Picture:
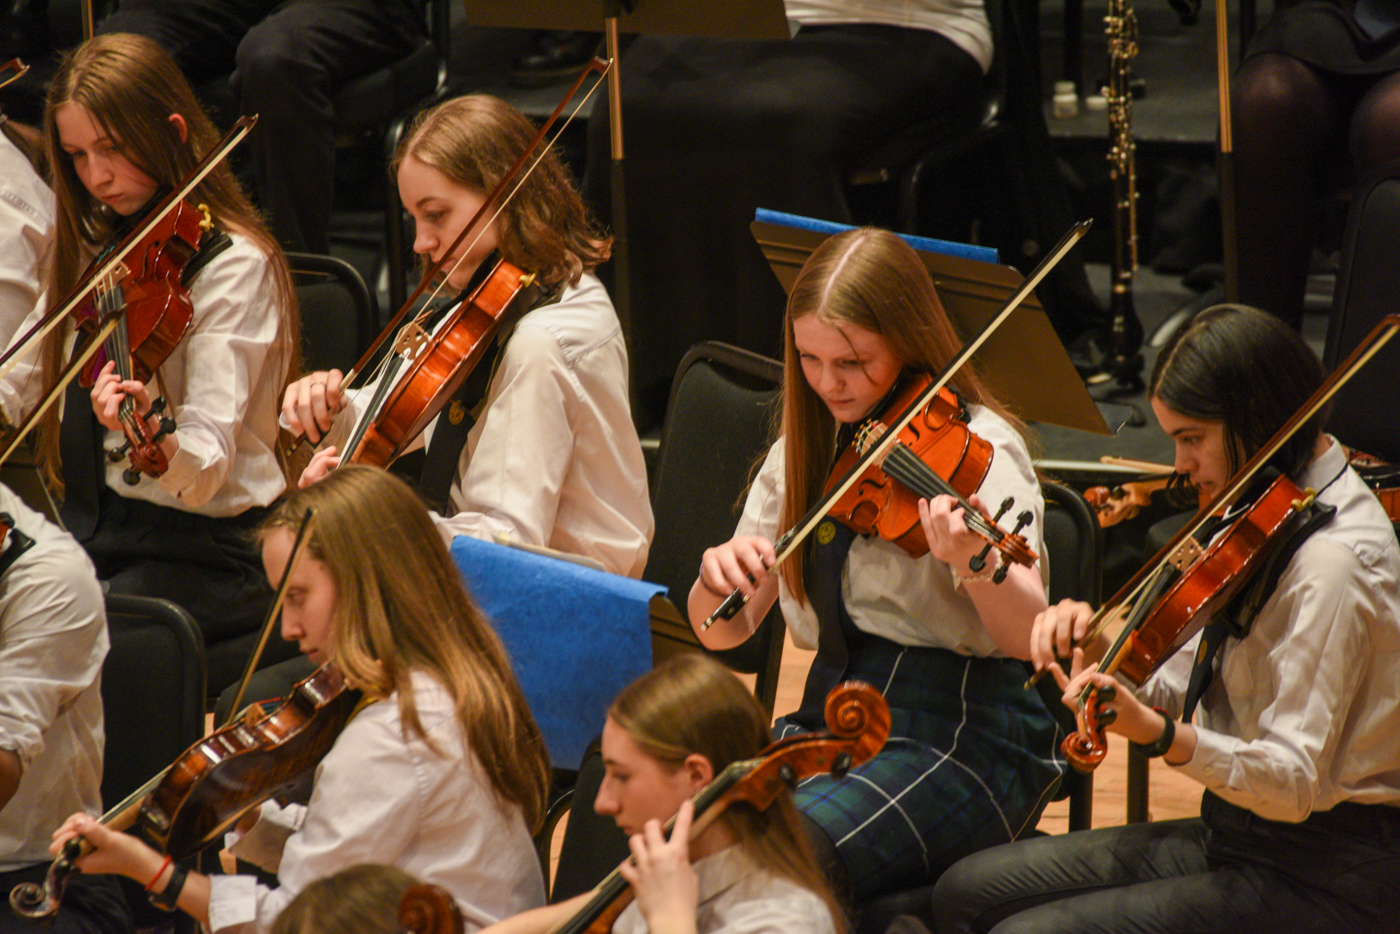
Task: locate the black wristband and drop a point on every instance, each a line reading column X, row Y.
column 1164, row 742
column 166, row 898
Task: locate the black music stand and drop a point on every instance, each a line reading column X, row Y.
column 731, row 19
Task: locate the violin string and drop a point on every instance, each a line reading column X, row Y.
column 906, row 467
column 524, row 176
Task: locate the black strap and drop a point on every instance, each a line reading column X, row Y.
column 1238, row 616
column 211, row 245
column 19, row 543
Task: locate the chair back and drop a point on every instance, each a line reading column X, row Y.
column 718, row 423
column 338, row 311
column 152, row 691
column 1367, row 283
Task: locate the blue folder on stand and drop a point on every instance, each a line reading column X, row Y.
column 576, row 636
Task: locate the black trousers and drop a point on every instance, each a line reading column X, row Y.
column 1228, row 871
column 288, row 59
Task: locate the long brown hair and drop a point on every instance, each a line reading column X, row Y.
column 362, row 899
column 872, row 279
column 401, row 606
column 130, row 86
column 692, row 704
column 29, row 142
column 544, row 228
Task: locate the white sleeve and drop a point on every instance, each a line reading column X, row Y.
column 232, row 340
column 525, row 444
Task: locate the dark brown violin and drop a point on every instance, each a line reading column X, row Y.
column 858, row 723
column 792, row 539
column 935, row 454
column 1205, row 564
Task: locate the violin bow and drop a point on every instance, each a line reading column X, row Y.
column 1184, row 542
column 55, row 316
column 109, row 325
column 20, row 69
column 302, row 537
column 494, row 200
column 1225, row 166
column 790, row 540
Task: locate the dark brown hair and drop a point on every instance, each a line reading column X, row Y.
column 1247, row 369
column 362, row 899
column 544, row 228
column 131, row 86
column 29, row 143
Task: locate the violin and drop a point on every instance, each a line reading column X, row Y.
column 792, row 539
column 440, row 365
column 154, row 312
column 429, row 909
column 442, row 362
column 936, row 444
column 1189, row 581
column 1123, row 501
column 858, row 723
column 256, row 757
column 1382, row 477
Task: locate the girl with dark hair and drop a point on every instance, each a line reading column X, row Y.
column 122, row 127
column 441, row 772
column 1295, row 737
column 539, row 445
column 970, row 760
column 667, row 736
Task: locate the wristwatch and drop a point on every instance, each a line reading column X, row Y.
column 165, row 899
column 1163, row 742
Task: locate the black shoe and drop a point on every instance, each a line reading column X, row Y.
column 554, row 55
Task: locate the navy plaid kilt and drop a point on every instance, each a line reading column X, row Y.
column 973, row 758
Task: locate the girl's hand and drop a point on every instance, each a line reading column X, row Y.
column 1119, row 709
column 660, row 873
column 311, row 404
column 113, row 852
column 108, row 392
column 728, row 567
column 949, row 538
column 322, row 463
column 1059, row 632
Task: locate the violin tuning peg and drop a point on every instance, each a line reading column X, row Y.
column 979, row 560
column 1004, row 508
column 1108, row 693
column 1023, row 520
column 999, row 574
column 788, row 775
column 116, row 454
column 841, row 766
column 131, row 476
column 1107, row 717
column 167, row 426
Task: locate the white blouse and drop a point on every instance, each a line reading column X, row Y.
column 26, row 236
column 223, row 385
column 911, row 601
column 962, row 21
column 383, row 796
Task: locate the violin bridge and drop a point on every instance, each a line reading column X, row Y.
column 411, row 340
column 1186, row 554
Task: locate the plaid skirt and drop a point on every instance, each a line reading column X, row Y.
column 973, row 758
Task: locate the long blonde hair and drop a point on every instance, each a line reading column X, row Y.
column 402, row 607
column 131, row 86
column 544, row 228
column 692, row 704
column 872, row 279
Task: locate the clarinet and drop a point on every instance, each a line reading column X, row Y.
column 1124, row 359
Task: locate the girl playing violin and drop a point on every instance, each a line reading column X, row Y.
column 668, row 735
column 969, row 761
column 1294, row 739
column 442, row 773
column 123, row 127
column 546, row 452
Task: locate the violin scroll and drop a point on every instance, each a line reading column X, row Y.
column 1086, row 748
column 429, row 909
column 38, row 902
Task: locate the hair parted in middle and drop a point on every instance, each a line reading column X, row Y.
column 544, row 228
column 401, row 606
column 871, row 279
column 691, row 704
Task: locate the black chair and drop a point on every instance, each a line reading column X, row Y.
column 1074, row 550
column 717, row 427
column 592, row 845
column 1367, row 283
column 153, row 709
column 338, row 311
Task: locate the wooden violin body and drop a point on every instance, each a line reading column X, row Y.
column 1206, row 580
column 939, row 437
column 440, row 367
